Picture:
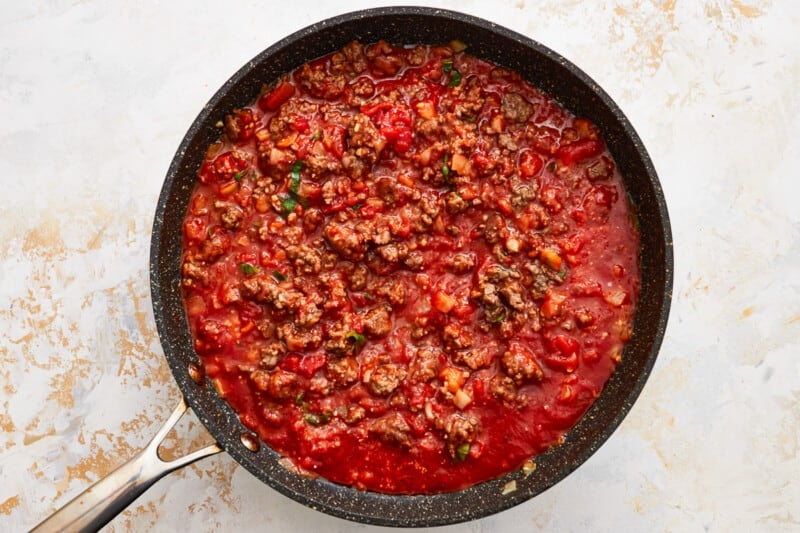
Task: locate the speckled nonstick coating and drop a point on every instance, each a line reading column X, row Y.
column 546, row 70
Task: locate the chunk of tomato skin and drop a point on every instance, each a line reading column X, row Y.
column 273, row 100
column 195, row 230
column 530, row 164
column 309, row 364
column 333, row 139
column 291, row 363
column 565, row 344
column 579, row 151
column 567, row 363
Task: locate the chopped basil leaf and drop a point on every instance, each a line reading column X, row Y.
column 288, row 205
column 462, row 451
column 552, row 166
column 316, row 419
column 358, row 339
column 317, row 135
column 298, row 400
column 279, row 276
column 239, row 175
column 296, row 168
column 445, row 170
column 368, row 296
column 357, row 206
column 447, row 65
column 248, row 269
column 455, row 78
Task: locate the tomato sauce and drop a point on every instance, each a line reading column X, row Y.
column 407, row 269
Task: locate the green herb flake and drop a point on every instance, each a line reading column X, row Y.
column 279, row 276
column 357, row 206
column 295, row 175
column 446, row 167
column 368, row 296
column 248, row 269
column 455, row 78
column 358, row 339
column 499, row 318
column 447, row 65
column 298, row 400
column 317, row 136
column 552, row 166
column 287, row 206
column 238, row 176
column 462, row 452
column 315, row 419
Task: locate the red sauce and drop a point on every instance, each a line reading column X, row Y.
column 407, row 269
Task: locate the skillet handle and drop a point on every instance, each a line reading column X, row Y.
column 97, row 505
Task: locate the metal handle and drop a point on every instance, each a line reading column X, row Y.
column 97, row 505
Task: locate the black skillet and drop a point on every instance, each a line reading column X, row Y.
column 401, row 25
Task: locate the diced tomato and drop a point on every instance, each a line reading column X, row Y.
column 223, row 168
column 565, row 344
column 240, row 125
column 311, row 363
column 274, row 99
column 195, row 230
column 580, row 150
column 333, row 140
column 529, row 164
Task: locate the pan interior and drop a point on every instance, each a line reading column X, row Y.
column 544, row 69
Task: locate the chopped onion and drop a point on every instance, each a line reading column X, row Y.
column 461, row 399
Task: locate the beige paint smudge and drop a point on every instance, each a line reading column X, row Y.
column 9, row 505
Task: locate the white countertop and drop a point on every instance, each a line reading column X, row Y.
column 94, row 99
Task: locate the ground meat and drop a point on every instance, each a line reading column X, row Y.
column 264, row 289
column 512, row 293
column 231, row 214
column 351, row 60
column 498, row 286
column 462, row 262
column 343, row 371
column 602, row 169
column 339, row 338
column 515, row 108
column 393, row 252
column 302, row 339
column 345, row 240
column 271, row 353
column 377, row 322
column 358, row 277
column 424, row 366
column 214, row 247
column 415, row 261
column 494, row 229
column 306, row 259
column 385, row 379
column 395, row 291
column 507, row 141
column 355, row 413
column 320, row 83
column 455, row 337
column 478, row 357
column 502, row 387
column 392, row 428
column 193, row 272
column 365, row 140
column 277, row 383
column 382, row 59
column 520, row 364
column 459, row 430
column 309, row 312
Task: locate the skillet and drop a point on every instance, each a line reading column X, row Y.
column 402, row 25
